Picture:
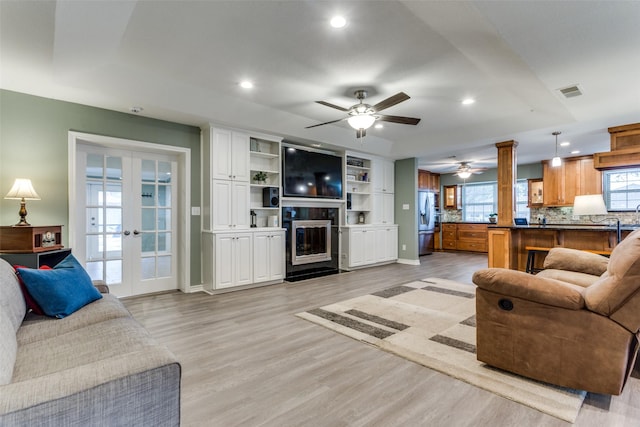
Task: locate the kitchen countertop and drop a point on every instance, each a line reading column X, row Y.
column 582, row 227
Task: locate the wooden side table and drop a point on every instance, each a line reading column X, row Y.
column 37, row 259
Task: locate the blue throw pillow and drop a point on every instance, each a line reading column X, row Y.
column 61, row 291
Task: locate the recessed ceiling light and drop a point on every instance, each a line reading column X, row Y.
column 565, row 144
column 468, row 101
column 246, row 84
column 379, row 126
column 338, row 21
column 575, row 151
column 136, row 110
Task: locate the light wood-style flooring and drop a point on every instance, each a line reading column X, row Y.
column 248, row 361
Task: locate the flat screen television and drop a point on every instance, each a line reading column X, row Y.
column 311, row 174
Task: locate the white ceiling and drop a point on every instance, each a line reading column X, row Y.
column 182, row 61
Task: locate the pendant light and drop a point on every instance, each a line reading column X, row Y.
column 556, row 161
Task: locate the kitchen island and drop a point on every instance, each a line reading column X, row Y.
column 507, row 246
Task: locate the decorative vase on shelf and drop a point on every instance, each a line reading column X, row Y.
column 493, row 218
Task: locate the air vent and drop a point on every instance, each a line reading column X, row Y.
column 571, row 91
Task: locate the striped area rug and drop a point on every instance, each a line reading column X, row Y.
column 432, row 322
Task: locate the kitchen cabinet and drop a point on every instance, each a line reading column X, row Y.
column 464, row 237
column 450, row 196
column 230, row 209
column 428, row 180
column 576, row 176
column 268, row 256
column 535, row 193
column 233, row 260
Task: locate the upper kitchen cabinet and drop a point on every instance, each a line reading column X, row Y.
column 575, row 177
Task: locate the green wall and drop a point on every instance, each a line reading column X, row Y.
column 406, row 193
column 33, row 144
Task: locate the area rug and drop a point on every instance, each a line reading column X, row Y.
column 432, row 322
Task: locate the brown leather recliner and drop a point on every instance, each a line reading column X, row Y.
column 575, row 324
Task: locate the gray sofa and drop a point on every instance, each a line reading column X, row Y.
column 97, row 366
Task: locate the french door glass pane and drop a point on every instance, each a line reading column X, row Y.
column 148, row 267
column 148, row 243
column 114, row 168
column 164, row 266
column 148, row 171
column 95, row 168
column 148, row 219
column 148, row 195
column 164, row 172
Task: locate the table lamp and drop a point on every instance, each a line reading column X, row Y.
column 593, row 204
column 22, row 190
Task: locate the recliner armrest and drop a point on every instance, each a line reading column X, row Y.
column 576, row 260
column 519, row 284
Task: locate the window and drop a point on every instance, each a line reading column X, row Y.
column 622, row 189
column 522, row 199
column 481, row 199
column 478, row 201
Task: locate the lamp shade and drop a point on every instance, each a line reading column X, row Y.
column 22, row 189
column 592, row 204
column 361, row 121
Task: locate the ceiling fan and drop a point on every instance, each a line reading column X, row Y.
column 361, row 116
column 465, row 170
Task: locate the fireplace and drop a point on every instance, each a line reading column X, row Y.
column 311, row 241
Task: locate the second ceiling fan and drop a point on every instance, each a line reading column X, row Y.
column 361, row 116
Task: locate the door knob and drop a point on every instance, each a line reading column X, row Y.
column 136, row 232
column 126, row 232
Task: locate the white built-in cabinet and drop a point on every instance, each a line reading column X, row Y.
column 383, row 175
column 233, row 260
column 268, row 256
column 233, row 252
column 367, row 245
column 231, row 207
column 370, row 183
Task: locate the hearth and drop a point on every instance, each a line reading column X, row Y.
column 311, row 241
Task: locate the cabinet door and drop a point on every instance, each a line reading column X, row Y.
column 388, row 208
column 221, row 206
column 221, row 147
column 590, row 178
column 224, row 258
column 276, row 252
column 243, row 259
column 370, row 249
column 261, row 254
column 240, row 205
column 240, row 157
column 571, row 181
column 356, row 247
column 551, row 183
column 389, row 176
column 386, row 244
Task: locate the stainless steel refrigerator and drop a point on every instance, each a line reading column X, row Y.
column 426, row 221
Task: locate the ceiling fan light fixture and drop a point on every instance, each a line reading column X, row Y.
column 361, row 121
column 464, row 174
column 338, row 21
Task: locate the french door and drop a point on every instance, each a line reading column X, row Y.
column 126, row 209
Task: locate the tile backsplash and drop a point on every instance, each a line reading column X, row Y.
column 558, row 216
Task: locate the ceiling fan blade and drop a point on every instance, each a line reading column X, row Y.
column 328, row 104
column 391, row 101
column 361, row 133
column 325, row 123
column 399, row 119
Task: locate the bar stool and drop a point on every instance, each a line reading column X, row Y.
column 531, row 258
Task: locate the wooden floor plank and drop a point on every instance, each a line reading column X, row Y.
column 248, row 361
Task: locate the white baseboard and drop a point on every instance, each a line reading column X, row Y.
column 408, row 261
